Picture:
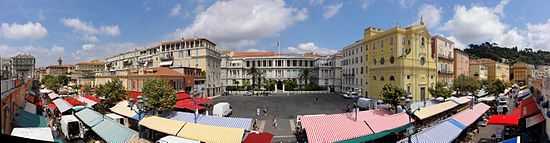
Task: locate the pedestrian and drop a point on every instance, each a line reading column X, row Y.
column 257, row 111
column 275, row 122
column 316, row 99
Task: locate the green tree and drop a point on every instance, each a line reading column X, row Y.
column 290, row 85
column 465, row 84
column 51, row 82
column 87, row 89
column 496, row 87
column 392, row 94
column 270, row 84
column 113, row 92
column 305, row 76
column 246, row 84
column 63, row 79
column 257, row 77
column 440, row 90
column 160, row 95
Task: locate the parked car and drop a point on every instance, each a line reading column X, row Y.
column 248, row 93
column 222, row 109
column 71, row 127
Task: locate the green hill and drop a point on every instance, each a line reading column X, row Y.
column 508, row 55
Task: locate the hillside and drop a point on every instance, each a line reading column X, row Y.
column 513, row 55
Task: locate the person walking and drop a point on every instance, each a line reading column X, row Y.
column 275, row 122
column 257, row 111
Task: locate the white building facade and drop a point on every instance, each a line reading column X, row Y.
column 328, row 72
column 236, row 65
column 193, row 53
column 354, row 68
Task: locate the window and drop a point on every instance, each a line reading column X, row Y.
column 361, row 70
column 408, row 76
column 382, row 78
column 382, row 61
column 392, row 78
column 422, row 61
column 374, row 77
column 294, row 62
column 392, row 60
column 374, row 61
column 422, row 42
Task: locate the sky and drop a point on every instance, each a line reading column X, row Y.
column 94, row 29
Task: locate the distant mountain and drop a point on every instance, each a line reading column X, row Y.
column 508, row 55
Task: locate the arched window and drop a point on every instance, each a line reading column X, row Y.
column 374, row 77
column 374, row 61
column 392, row 60
column 422, row 42
column 382, row 78
column 381, row 61
column 422, row 61
column 392, row 78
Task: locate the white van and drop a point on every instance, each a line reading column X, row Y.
column 222, row 109
column 71, row 127
column 365, row 103
column 121, row 120
column 174, row 139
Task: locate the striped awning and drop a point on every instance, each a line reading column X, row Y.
column 333, row 128
column 113, row 132
column 462, row 100
column 89, row 117
column 229, row 122
column 62, row 105
column 167, row 126
column 445, row 132
column 89, row 103
column 39, row 133
column 53, row 95
column 469, row 116
column 122, row 108
column 435, row 109
column 211, row 134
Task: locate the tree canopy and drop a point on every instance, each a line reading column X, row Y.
column 495, row 52
column 496, row 87
column 465, row 84
column 392, row 94
column 440, row 90
column 113, row 92
column 160, row 96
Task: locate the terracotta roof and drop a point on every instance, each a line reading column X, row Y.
column 252, row 54
column 162, row 71
column 60, row 66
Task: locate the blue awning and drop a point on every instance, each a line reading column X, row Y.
column 512, row 140
column 108, row 129
column 113, row 132
column 445, row 132
column 89, row 117
column 26, row 119
column 229, row 122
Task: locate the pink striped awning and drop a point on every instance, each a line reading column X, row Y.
column 469, row 116
column 383, row 123
column 332, row 128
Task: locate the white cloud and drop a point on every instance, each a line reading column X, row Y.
column 365, row 3
column 474, row 25
column 332, row 10
column 100, row 51
column 176, row 10
column 311, row 47
column 316, row 2
column 242, row 22
column 430, row 14
column 29, row 30
column 499, row 9
column 89, row 32
column 538, row 35
column 112, row 30
column 255, row 50
column 44, row 56
column 483, row 24
column 458, row 44
column 406, row 3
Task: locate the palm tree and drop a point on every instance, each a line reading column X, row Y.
column 305, row 75
column 257, row 76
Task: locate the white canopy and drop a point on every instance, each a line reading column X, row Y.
column 29, row 107
column 43, row 134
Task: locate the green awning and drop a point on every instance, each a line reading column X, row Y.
column 26, row 119
column 375, row 136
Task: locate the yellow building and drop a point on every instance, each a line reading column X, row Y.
column 522, row 73
column 495, row 70
column 401, row 57
column 478, row 72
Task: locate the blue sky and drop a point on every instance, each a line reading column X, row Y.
column 93, row 29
